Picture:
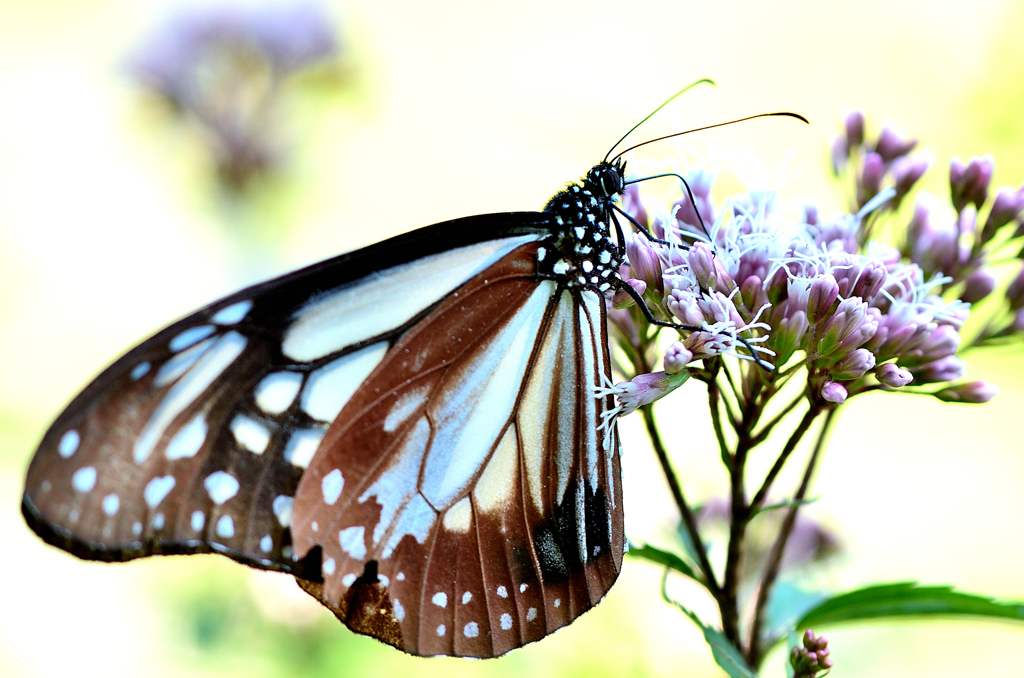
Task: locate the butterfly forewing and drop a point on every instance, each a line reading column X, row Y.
column 196, row 439
column 462, row 499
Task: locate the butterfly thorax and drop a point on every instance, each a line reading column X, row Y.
column 587, row 255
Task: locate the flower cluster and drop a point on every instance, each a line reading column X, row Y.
column 856, row 313
column 809, row 659
column 222, row 66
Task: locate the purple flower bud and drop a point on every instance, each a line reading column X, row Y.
column 906, row 172
column 644, row 262
column 854, row 366
column 942, row 342
column 834, row 393
column 622, row 299
column 811, row 216
column 892, row 145
column 870, row 180
column 787, row 335
column 821, row 297
column 849, row 327
column 969, row 183
column 854, row 125
column 1005, row 208
column 978, row 285
column 644, row 389
column 893, row 376
column 870, row 281
column 683, row 305
column 1015, row 291
column 970, row 392
column 702, row 263
column 676, row 358
column 840, row 155
column 949, row 368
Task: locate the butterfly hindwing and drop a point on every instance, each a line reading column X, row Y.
column 196, row 439
column 463, row 500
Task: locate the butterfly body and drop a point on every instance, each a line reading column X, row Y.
column 411, row 429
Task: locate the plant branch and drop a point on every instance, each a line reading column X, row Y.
column 774, row 562
column 809, row 416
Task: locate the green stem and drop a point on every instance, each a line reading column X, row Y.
column 774, row 562
column 812, row 413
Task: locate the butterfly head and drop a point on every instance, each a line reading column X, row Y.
column 607, row 179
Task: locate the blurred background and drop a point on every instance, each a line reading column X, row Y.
column 137, row 185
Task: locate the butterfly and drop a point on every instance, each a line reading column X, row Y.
column 417, row 431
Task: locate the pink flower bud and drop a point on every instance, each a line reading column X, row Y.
column 840, row 155
column 811, row 216
column 644, row 263
column 645, row 389
column 849, row 327
column 892, row 145
column 950, row 368
column 906, row 172
column 943, row 342
column 971, row 392
column 676, row 358
column 969, row 183
column 854, row 366
column 834, row 393
column 854, row 125
column 822, row 295
column 787, row 336
column 978, row 285
column 622, row 299
column 870, row 180
column 683, row 305
column 893, row 376
column 702, row 263
column 1005, row 208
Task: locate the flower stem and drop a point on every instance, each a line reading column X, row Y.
column 774, row 562
column 689, row 520
column 809, row 416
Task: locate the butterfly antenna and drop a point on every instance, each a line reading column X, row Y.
column 672, row 98
column 778, row 114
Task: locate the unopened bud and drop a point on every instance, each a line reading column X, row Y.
column 893, row 376
column 971, row 392
column 854, row 125
column 821, row 297
column 892, row 145
column 834, row 393
column 623, row 299
column 854, row 366
column 978, row 285
column 676, row 358
column 702, row 263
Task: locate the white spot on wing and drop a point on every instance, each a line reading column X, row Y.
column 158, row 521
column 136, row 528
column 84, row 479
column 440, row 599
column 386, row 299
column 506, row 621
column 405, row 406
column 331, row 486
column 140, row 370
column 157, row 489
column 276, row 392
column 250, row 434
column 466, row 597
column 353, row 542
column 190, row 337
column 225, row 527
column 441, row 630
column 230, row 315
column 187, row 442
column 531, row 614
column 471, row 630
column 302, row 446
column 110, row 504
column 190, row 387
column 199, row 520
column 330, row 387
column 266, row 543
column 221, row 486
column 348, row 579
column 523, row 587
column 502, row 592
column 399, row 610
column 283, row 509
column 328, row 566
column 68, row 444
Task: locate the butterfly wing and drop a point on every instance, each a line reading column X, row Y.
column 196, row 439
column 463, row 499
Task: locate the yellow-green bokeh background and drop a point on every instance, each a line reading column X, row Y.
column 109, row 229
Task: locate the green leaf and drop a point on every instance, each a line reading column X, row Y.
column 726, row 656
column 666, row 558
column 906, row 599
column 786, row 605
